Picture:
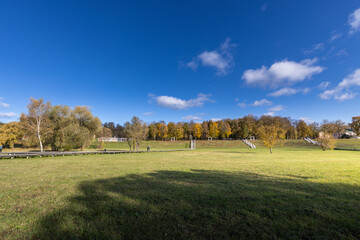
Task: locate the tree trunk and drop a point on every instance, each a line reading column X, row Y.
column 39, row 137
column 137, row 146
column 270, row 150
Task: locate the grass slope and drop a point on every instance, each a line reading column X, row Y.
column 299, row 192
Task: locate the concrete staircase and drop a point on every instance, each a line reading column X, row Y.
column 251, row 145
column 308, row 140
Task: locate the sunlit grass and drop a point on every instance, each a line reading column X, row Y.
column 222, row 192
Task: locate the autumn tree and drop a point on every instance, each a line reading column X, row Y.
column 88, row 125
column 327, row 141
column 112, row 127
column 224, row 129
column 191, row 128
column 340, row 126
column 105, row 132
column 60, row 119
column 136, row 130
column 269, row 136
column 171, row 129
column 355, row 125
column 314, row 129
column 205, row 129
column 242, row 130
column 162, row 130
column 152, row 131
column 10, row 133
column 302, row 129
column 119, row 131
column 213, row 129
column 186, row 130
column 328, row 127
column 36, row 122
column 198, row 130
column 179, row 131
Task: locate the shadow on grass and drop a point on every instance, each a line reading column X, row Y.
column 205, row 205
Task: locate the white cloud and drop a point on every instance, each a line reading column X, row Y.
column 342, row 91
column 242, row 105
column 178, row 103
column 262, row 102
column 314, row 48
column 307, row 120
column 284, row 92
column 335, row 35
column 193, row 65
column 324, row 85
column 283, row 73
column 221, row 59
column 354, row 21
column 305, row 90
column 191, row 118
column 345, row 96
column 277, row 108
column 8, row 115
column 2, row 104
column 271, row 114
column 288, row 92
column 216, row 119
column 147, row 113
column 342, row 52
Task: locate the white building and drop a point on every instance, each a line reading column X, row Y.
column 111, row 139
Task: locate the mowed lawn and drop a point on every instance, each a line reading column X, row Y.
column 215, row 192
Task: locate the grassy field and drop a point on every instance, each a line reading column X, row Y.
column 157, row 145
column 168, row 145
column 222, row 190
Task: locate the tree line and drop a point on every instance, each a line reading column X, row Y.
column 240, row 128
column 63, row 128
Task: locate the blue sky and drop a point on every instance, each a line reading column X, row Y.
column 182, row 60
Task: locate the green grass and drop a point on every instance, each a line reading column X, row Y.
column 348, row 143
column 215, row 192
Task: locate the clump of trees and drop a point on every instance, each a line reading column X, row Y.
column 60, row 127
column 72, row 128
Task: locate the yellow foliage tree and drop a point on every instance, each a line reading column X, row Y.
column 162, row 130
column 198, row 130
column 225, row 129
column 179, row 131
column 327, row 141
column 268, row 135
column 9, row 133
column 171, row 129
column 214, row 130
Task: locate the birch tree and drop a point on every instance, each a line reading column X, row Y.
column 36, row 122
